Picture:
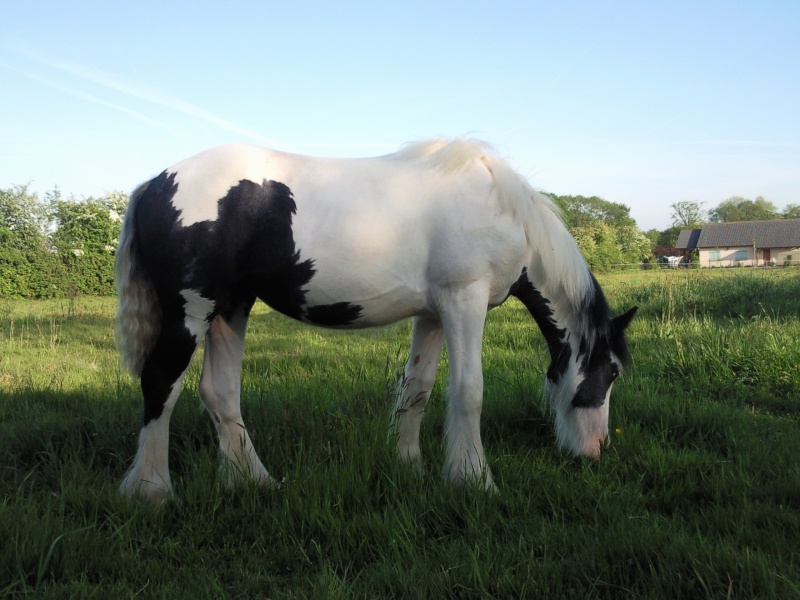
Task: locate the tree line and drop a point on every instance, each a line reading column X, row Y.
column 605, row 232
column 56, row 247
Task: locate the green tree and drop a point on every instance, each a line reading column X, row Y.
column 688, row 214
column 634, row 245
column 580, row 211
column 86, row 237
column 742, row 209
column 604, row 231
column 28, row 268
column 669, row 237
column 21, row 213
column 653, row 235
column 599, row 245
column 792, row 211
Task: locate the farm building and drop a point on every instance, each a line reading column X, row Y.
column 746, row 243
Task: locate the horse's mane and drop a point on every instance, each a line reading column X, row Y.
column 561, row 260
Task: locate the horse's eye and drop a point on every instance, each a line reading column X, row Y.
column 614, row 375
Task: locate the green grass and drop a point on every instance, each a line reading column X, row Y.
column 698, row 496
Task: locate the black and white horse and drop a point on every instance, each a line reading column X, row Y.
column 440, row 231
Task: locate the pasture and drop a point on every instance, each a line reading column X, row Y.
column 697, row 496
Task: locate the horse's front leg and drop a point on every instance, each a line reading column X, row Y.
column 463, row 313
column 427, row 339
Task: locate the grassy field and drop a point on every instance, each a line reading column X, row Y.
column 697, row 497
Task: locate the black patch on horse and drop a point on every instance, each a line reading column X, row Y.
column 592, row 390
column 166, row 362
column 539, row 308
column 607, row 335
column 599, row 373
column 332, row 315
column 247, row 252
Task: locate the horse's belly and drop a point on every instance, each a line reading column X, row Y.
column 382, row 296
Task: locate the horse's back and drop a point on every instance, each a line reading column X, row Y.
column 387, row 185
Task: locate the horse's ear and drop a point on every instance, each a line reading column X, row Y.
column 621, row 322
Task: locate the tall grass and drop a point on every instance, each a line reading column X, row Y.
column 698, row 495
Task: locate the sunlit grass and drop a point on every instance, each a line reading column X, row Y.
column 698, row 494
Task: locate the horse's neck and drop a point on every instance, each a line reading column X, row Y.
column 556, row 301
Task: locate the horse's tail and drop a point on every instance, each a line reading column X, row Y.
column 138, row 309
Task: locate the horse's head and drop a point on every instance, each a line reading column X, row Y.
column 580, row 378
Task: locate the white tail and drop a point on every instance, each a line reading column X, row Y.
column 138, row 309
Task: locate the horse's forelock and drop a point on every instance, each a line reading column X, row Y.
column 594, row 326
column 600, row 331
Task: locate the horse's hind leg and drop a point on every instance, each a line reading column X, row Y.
column 427, row 339
column 161, row 381
column 220, row 389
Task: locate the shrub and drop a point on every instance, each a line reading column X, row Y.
column 57, row 247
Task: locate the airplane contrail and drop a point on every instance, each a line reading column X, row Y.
column 135, row 90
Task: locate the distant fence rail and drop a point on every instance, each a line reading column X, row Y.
column 647, row 266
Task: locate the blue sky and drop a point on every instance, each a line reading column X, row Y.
column 643, row 103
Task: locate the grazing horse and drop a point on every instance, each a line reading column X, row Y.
column 441, row 231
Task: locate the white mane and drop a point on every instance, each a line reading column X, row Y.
column 561, row 260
